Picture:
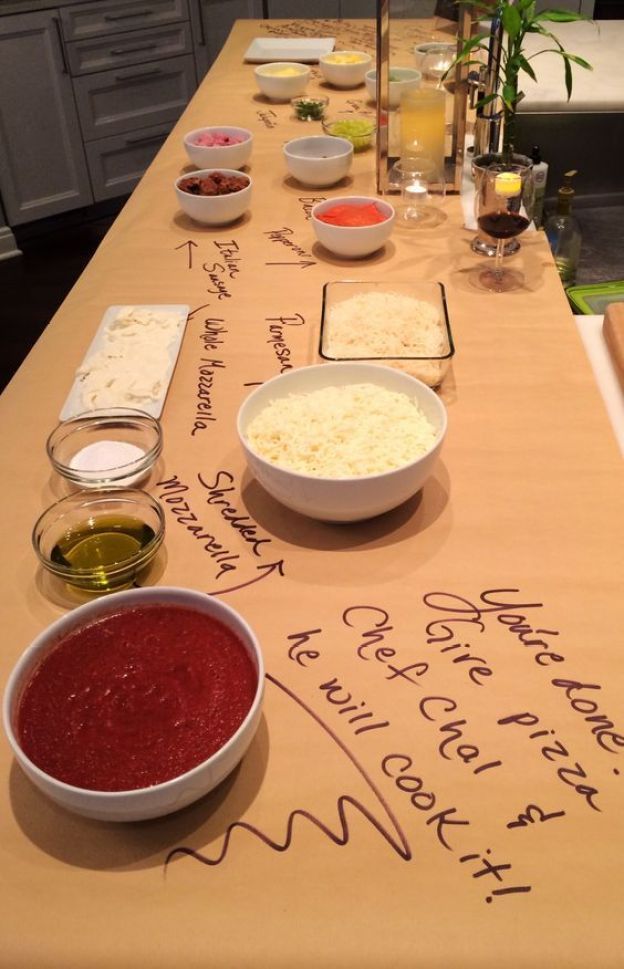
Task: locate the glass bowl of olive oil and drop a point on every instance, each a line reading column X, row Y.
column 100, row 540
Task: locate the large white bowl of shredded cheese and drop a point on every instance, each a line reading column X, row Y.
column 342, row 442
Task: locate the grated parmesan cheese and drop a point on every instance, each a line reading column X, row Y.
column 341, row 432
column 388, row 324
column 133, row 360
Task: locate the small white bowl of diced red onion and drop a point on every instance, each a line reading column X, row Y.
column 219, row 146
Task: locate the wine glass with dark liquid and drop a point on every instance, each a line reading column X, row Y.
column 503, row 211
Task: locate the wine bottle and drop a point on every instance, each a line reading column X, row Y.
column 564, row 233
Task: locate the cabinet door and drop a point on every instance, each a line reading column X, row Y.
column 354, row 9
column 133, row 47
column 117, row 164
column 212, row 21
column 43, row 169
column 300, row 9
column 114, row 16
column 124, row 101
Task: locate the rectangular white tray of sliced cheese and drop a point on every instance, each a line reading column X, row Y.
column 130, row 361
column 263, row 50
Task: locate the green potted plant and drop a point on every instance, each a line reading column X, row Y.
column 517, row 19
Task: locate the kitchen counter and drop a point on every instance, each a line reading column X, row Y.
column 479, row 820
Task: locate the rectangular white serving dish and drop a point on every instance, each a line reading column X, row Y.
column 73, row 404
column 263, row 50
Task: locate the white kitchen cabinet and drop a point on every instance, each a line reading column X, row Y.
column 88, row 93
column 212, row 21
column 43, row 169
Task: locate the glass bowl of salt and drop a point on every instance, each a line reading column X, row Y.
column 105, row 448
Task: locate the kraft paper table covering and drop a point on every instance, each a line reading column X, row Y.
column 406, row 843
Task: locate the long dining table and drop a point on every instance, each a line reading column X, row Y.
column 475, row 816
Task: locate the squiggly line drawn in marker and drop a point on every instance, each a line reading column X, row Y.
column 395, row 838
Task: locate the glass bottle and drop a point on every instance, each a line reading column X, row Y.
column 540, row 174
column 564, row 233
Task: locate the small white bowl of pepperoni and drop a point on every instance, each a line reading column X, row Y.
column 353, row 226
column 135, row 705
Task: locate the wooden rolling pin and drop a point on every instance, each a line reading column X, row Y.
column 613, row 330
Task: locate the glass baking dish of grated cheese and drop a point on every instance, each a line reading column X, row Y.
column 399, row 324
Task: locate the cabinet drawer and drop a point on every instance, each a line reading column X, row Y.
column 119, row 101
column 117, row 164
column 115, row 16
column 134, row 47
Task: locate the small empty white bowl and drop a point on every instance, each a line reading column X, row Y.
column 219, row 156
column 214, row 209
column 345, row 68
column 318, row 160
column 345, row 499
column 353, row 242
column 401, row 79
column 282, row 80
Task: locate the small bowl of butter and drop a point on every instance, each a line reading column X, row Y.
column 345, row 68
column 282, row 80
column 115, row 447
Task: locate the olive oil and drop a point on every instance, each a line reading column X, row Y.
column 97, row 549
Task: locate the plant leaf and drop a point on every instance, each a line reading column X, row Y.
column 568, row 76
column 577, row 60
column 512, row 21
column 560, row 16
column 526, row 67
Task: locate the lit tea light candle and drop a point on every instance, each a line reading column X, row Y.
column 508, row 184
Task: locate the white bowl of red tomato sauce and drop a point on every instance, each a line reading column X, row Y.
column 135, row 705
column 353, row 225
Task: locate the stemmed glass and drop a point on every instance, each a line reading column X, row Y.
column 503, row 207
column 435, row 63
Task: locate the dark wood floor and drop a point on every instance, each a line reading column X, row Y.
column 34, row 284
column 55, row 253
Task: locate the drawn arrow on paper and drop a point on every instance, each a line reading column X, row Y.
column 190, row 243
column 264, row 571
column 302, row 262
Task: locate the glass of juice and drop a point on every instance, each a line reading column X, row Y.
column 423, row 125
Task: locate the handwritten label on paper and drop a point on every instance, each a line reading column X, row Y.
column 308, row 202
column 464, row 737
column 230, row 529
column 277, row 328
column 219, row 273
column 268, row 118
column 285, row 237
column 209, row 368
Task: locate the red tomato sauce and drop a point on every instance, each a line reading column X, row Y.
column 135, row 698
column 348, row 214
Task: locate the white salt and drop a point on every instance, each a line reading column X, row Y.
column 108, row 456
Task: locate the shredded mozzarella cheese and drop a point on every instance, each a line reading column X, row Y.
column 339, row 432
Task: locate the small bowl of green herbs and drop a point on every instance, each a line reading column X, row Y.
column 310, row 108
column 359, row 130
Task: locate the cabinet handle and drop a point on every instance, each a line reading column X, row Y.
column 126, row 16
column 61, row 45
column 202, row 32
column 120, row 51
column 138, row 74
